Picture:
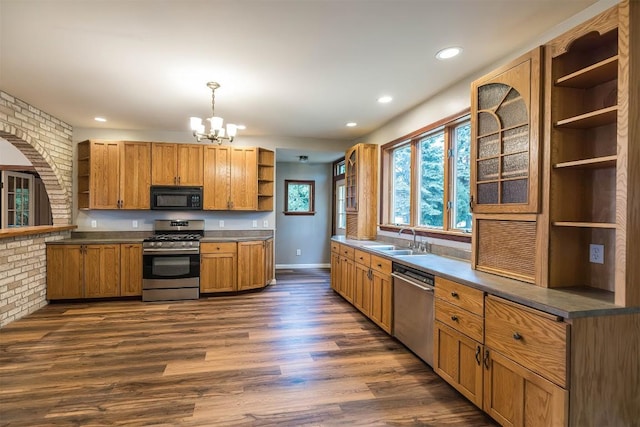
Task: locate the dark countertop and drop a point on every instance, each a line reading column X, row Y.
column 115, row 237
column 567, row 302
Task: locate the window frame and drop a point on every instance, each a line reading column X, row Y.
column 448, row 231
column 4, row 202
column 312, row 196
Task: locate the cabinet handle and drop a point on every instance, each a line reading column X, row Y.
column 486, row 359
column 380, row 265
column 454, row 318
column 454, row 294
column 517, row 336
column 478, row 355
column 471, row 203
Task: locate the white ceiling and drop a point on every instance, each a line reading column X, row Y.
column 300, row 68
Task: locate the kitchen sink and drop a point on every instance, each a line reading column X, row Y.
column 390, row 249
column 399, row 252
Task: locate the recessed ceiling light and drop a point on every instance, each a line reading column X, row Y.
column 385, row 99
column 241, row 127
column 100, row 119
column 352, row 124
column 449, row 52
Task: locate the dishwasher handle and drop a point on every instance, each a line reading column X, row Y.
column 413, row 282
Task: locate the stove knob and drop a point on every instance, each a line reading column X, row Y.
column 152, row 244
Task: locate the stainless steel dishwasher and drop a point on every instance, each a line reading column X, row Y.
column 413, row 310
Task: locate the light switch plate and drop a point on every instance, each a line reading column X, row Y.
column 265, row 223
column 254, row 224
column 94, row 223
column 134, row 223
column 221, row 223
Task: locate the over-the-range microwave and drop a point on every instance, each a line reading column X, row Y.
column 176, row 198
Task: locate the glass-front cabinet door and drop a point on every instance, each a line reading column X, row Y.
column 505, row 112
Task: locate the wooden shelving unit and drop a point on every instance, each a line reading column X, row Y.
column 84, row 168
column 266, row 174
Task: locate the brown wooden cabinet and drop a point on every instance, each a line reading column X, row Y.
column 130, row 269
column 336, row 273
column 458, row 337
column 251, row 256
column 177, row 164
column 218, row 267
column 381, row 293
column 361, row 185
column 269, row 262
column 591, row 149
column 362, row 282
column 83, row 271
column 113, row 174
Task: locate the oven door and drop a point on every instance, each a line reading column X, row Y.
column 170, row 267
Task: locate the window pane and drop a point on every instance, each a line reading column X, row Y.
column 431, row 200
column 342, row 217
column 299, row 198
column 461, row 146
column 401, row 182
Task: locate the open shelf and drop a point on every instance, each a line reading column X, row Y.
column 591, row 119
column 606, row 225
column 597, row 162
column 591, row 76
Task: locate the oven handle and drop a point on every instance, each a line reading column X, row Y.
column 177, row 251
column 412, row 282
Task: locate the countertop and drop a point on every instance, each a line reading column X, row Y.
column 567, row 302
column 115, row 237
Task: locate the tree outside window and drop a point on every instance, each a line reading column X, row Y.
column 299, row 197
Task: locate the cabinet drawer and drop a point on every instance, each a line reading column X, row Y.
column 335, row 247
column 215, row 247
column 534, row 339
column 383, row 265
column 362, row 257
column 459, row 319
column 346, row 251
column 463, row 296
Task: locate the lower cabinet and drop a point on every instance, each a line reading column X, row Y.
column 335, row 267
column 251, row 259
column 218, row 267
column 269, row 262
column 381, row 293
column 362, row 282
column 83, row 271
column 130, row 269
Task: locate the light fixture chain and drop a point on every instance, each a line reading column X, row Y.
column 213, row 102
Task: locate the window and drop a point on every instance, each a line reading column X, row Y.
column 342, row 211
column 426, row 178
column 299, row 197
column 17, row 200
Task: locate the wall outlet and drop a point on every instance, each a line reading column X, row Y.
column 298, row 252
column 596, row 254
column 94, row 223
column 221, row 224
column 265, row 223
column 254, row 224
column 134, row 223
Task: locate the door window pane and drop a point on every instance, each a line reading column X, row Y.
column 431, row 191
column 401, row 185
column 461, row 161
column 17, row 199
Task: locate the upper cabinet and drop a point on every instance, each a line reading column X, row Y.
column 592, row 133
column 113, row 174
column 177, row 164
column 505, row 122
column 361, row 184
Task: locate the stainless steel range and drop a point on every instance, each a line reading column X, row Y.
column 171, row 260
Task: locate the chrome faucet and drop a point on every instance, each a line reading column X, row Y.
column 411, row 245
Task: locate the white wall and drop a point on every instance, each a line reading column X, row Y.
column 309, row 233
column 10, row 155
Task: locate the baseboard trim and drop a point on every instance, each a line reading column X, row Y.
column 298, row 266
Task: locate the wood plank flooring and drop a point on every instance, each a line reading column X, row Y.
column 295, row 354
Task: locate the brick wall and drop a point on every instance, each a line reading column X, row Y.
column 46, row 142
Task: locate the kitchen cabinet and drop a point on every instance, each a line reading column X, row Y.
column 362, row 282
column 381, row 293
column 361, row 187
column 218, row 267
column 591, row 150
column 238, row 178
column 177, row 164
column 113, row 174
column 130, row 269
column 251, row 256
column 458, row 337
column 269, row 262
column 347, row 273
column 336, row 273
column 83, row 271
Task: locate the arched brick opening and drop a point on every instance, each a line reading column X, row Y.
column 59, row 196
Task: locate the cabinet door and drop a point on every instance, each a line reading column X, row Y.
column 269, row 266
column 135, row 175
column 65, row 272
column 164, row 164
column 381, row 300
column 505, row 122
column 217, row 178
column 347, row 281
column 105, row 174
column 190, row 164
column 515, row 396
column 102, row 271
column 130, row 269
column 336, row 273
column 457, row 359
column 351, row 179
column 244, row 179
column 362, row 293
column 251, row 260
column 218, row 272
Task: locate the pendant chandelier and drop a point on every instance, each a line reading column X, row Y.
column 217, row 133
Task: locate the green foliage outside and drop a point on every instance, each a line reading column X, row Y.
column 299, row 198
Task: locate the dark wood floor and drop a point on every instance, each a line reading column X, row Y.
column 294, row 354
